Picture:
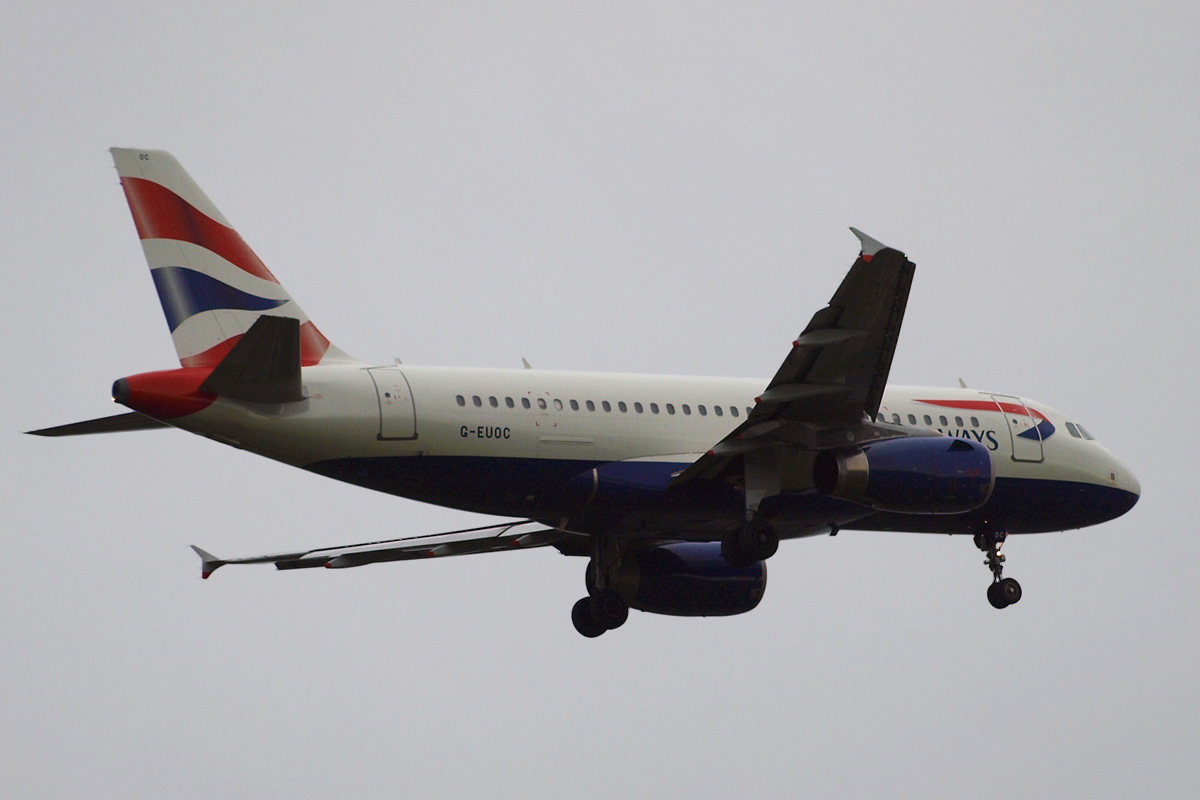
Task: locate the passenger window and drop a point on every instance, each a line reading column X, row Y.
column 733, row 411
column 687, row 410
column 703, row 411
column 974, row 422
column 621, row 405
column 912, row 420
column 508, row 401
column 637, row 407
column 591, row 406
column 1071, row 430
column 574, row 405
column 542, row 403
column 896, row 419
column 524, row 402
column 475, row 399
column 462, row 401
column 557, row 404
column 928, row 420
column 604, row 404
column 1083, row 430
column 718, row 411
column 670, row 408
column 958, row 421
column 945, row 422
column 654, row 408
column 749, row 410
column 493, row 402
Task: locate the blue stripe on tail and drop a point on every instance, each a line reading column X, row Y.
column 185, row 292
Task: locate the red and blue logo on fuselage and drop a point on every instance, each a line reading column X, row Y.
column 1041, row 431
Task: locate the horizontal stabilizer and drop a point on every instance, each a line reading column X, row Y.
column 263, row 367
column 133, row 421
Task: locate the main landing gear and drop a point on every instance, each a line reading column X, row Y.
column 1004, row 591
column 604, row 608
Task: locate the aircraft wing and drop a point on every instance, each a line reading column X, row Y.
column 522, row 534
column 837, row 369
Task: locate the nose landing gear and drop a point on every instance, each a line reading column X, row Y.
column 1004, row 591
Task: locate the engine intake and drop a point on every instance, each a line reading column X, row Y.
column 918, row 475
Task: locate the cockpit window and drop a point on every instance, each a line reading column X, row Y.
column 1083, row 430
column 1071, row 429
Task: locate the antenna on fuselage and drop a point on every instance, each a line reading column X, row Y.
column 526, row 363
column 962, row 383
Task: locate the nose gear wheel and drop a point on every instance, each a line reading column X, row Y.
column 1004, row 591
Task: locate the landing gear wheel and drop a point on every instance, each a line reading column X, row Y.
column 758, row 540
column 1010, row 590
column 608, row 608
column 995, row 596
column 585, row 623
column 731, row 551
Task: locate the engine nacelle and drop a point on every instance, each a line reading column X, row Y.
column 918, row 475
column 688, row 579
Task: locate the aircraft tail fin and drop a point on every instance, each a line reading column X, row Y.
column 211, row 284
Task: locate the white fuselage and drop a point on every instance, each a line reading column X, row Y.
column 529, row 417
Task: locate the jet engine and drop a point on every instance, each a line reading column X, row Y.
column 917, row 475
column 688, row 579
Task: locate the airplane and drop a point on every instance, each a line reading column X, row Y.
column 675, row 489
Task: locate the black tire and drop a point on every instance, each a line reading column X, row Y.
column 758, row 540
column 609, row 609
column 995, row 596
column 731, row 551
column 585, row 623
column 1010, row 590
column 589, row 578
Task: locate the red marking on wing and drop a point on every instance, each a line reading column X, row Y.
column 985, row 405
column 159, row 213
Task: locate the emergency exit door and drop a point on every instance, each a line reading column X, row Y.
column 397, row 413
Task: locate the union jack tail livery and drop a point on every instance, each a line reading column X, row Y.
column 211, row 284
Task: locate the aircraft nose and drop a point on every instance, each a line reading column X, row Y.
column 1128, row 484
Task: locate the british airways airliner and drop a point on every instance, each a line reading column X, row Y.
column 675, row 489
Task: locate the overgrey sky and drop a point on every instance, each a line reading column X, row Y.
column 644, row 187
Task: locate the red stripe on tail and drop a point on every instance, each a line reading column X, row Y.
column 159, row 213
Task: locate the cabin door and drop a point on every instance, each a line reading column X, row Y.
column 1022, row 428
column 397, row 414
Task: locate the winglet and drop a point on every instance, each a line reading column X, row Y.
column 208, row 562
column 869, row 246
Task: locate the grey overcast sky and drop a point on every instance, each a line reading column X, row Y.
column 646, row 187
